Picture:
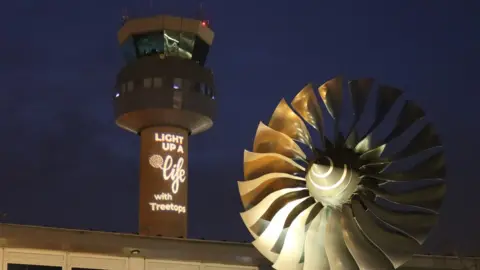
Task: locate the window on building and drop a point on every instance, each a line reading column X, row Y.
column 187, row 85
column 177, row 83
column 14, row 266
column 200, row 51
column 130, row 86
column 202, row 88
column 123, row 88
column 177, row 100
column 172, row 42
column 128, row 50
column 147, row 82
column 186, row 45
column 157, row 82
column 149, row 43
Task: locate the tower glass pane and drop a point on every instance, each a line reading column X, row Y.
column 200, row 51
column 187, row 42
column 148, row 44
column 128, row 50
column 172, row 42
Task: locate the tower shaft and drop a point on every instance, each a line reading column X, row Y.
column 163, row 181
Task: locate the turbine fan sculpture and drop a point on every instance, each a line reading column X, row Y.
column 335, row 209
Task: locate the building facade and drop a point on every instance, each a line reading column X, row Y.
column 42, row 248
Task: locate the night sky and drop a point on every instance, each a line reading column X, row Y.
column 64, row 163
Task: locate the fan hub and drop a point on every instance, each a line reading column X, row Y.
column 331, row 183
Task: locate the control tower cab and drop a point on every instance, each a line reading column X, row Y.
column 164, row 93
column 165, row 81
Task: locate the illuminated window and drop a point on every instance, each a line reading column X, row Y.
column 172, row 42
column 186, row 45
column 157, row 82
column 130, row 86
column 149, row 44
column 177, row 83
column 147, row 82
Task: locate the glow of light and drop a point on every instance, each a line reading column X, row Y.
column 117, row 95
column 337, row 184
column 175, row 86
column 204, row 23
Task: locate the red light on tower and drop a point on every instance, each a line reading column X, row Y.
column 204, row 23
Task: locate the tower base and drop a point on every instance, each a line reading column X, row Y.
column 163, row 182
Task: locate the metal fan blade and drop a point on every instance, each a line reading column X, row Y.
column 364, row 145
column 431, row 168
column 409, row 114
column 427, row 198
column 253, row 214
column 351, row 140
column 337, row 253
column 258, row 164
column 373, row 154
column 254, row 191
column 331, row 93
column 398, row 248
column 315, row 255
column 306, row 105
column 377, row 167
column 266, row 241
column 426, row 139
column 292, row 248
column 359, row 92
column 289, row 123
column 268, row 140
column 386, row 97
column 262, row 223
column 415, row 224
column 365, row 254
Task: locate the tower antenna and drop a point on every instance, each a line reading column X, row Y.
column 201, row 15
column 125, row 16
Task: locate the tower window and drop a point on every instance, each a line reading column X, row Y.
column 203, row 89
column 177, row 100
column 157, row 82
column 130, row 86
column 123, row 88
column 177, row 83
column 147, row 82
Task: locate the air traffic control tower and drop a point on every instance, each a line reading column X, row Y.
column 164, row 93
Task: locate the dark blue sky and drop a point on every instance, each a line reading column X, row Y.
column 64, row 162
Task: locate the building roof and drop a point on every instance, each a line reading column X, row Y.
column 165, row 22
column 120, row 244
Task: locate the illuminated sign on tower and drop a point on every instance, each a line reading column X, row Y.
column 164, row 94
column 163, row 170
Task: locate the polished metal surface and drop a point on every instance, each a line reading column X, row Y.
column 341, row 206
